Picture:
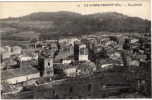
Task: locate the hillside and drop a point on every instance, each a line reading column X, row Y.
column 59, row 24
column 47, row 16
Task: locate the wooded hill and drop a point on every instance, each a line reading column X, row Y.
column 74, row 24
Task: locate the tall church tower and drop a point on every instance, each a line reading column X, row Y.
column 45, row 62
column 83, row 54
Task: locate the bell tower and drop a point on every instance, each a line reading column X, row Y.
column 45, row 62
column 46, row 66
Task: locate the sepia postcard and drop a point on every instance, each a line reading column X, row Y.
column 75, row 49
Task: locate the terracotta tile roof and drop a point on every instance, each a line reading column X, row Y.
column 50, row 85
column 70, row 57
column 17, row 72
column 64, row 66
column 85, row 78
column 114, row 78
column 109, row 61
column 142, row 73
column 29, row 63
column 57, row 61
column 18, row 95
column 42, row 80
column 63, row 55
column 88, row 65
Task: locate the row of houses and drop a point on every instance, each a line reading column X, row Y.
column 96, row 85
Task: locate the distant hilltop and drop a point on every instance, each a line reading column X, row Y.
column 74, row 23
column 66, row 14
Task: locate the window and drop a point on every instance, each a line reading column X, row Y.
column 89, row 87
column 48, row 65
column 70, row 89
column 104, row 87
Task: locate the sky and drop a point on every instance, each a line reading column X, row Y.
column 132, row 8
